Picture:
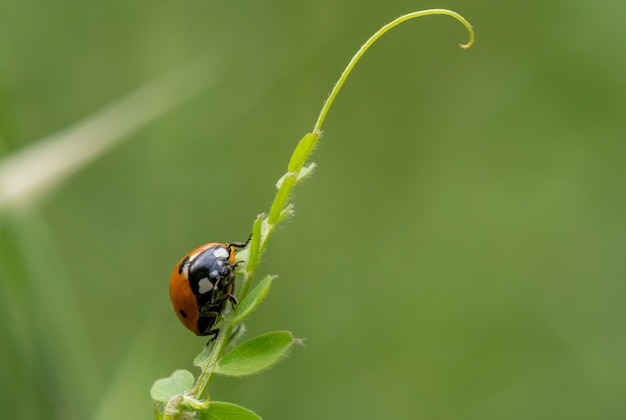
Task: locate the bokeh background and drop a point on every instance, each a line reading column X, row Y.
column 460, row 252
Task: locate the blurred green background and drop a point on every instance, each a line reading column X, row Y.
column 460, row 252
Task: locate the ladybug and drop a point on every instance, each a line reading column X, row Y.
column 201, row 285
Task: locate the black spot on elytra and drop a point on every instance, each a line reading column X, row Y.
column 182, row 265
column 182, row 313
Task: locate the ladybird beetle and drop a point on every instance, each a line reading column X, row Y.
column 201, row 285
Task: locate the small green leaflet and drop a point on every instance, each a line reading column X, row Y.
column 250, row 302
column 256, row 355
column 225, row 411
column 165, row 388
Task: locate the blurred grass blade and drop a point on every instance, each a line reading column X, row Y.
column 131, row 377
column 28, row 174
column 50, row 341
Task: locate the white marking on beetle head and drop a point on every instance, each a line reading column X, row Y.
column 215, row 273
column 204, row 285
column 220, row 262
column 221, row 253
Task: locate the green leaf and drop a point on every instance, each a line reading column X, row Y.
column 306, row 171
column 252, row 300
column 255, row 241
column 202, row 357
column 226, row 411
column 165, row 388
column 287, row 211
column 286, row 184
column 302, row 151
column 256, row 355
column 281, row 180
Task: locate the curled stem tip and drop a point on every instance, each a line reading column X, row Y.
column 374, row 38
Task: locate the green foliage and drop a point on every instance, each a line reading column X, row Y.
column 458, row 254
column 166, row 388
column 171, row 389
column 252, row 301
column 262, row 352
column 226, row 411
column 302, row 152
column 256, row 355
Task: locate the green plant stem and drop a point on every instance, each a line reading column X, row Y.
column 264, row 226
column 372, row 39
column 208, row 368
column 306, row 146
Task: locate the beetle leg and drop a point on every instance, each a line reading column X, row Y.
column 233, row 299
column 240, row 244
column 214, row 332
